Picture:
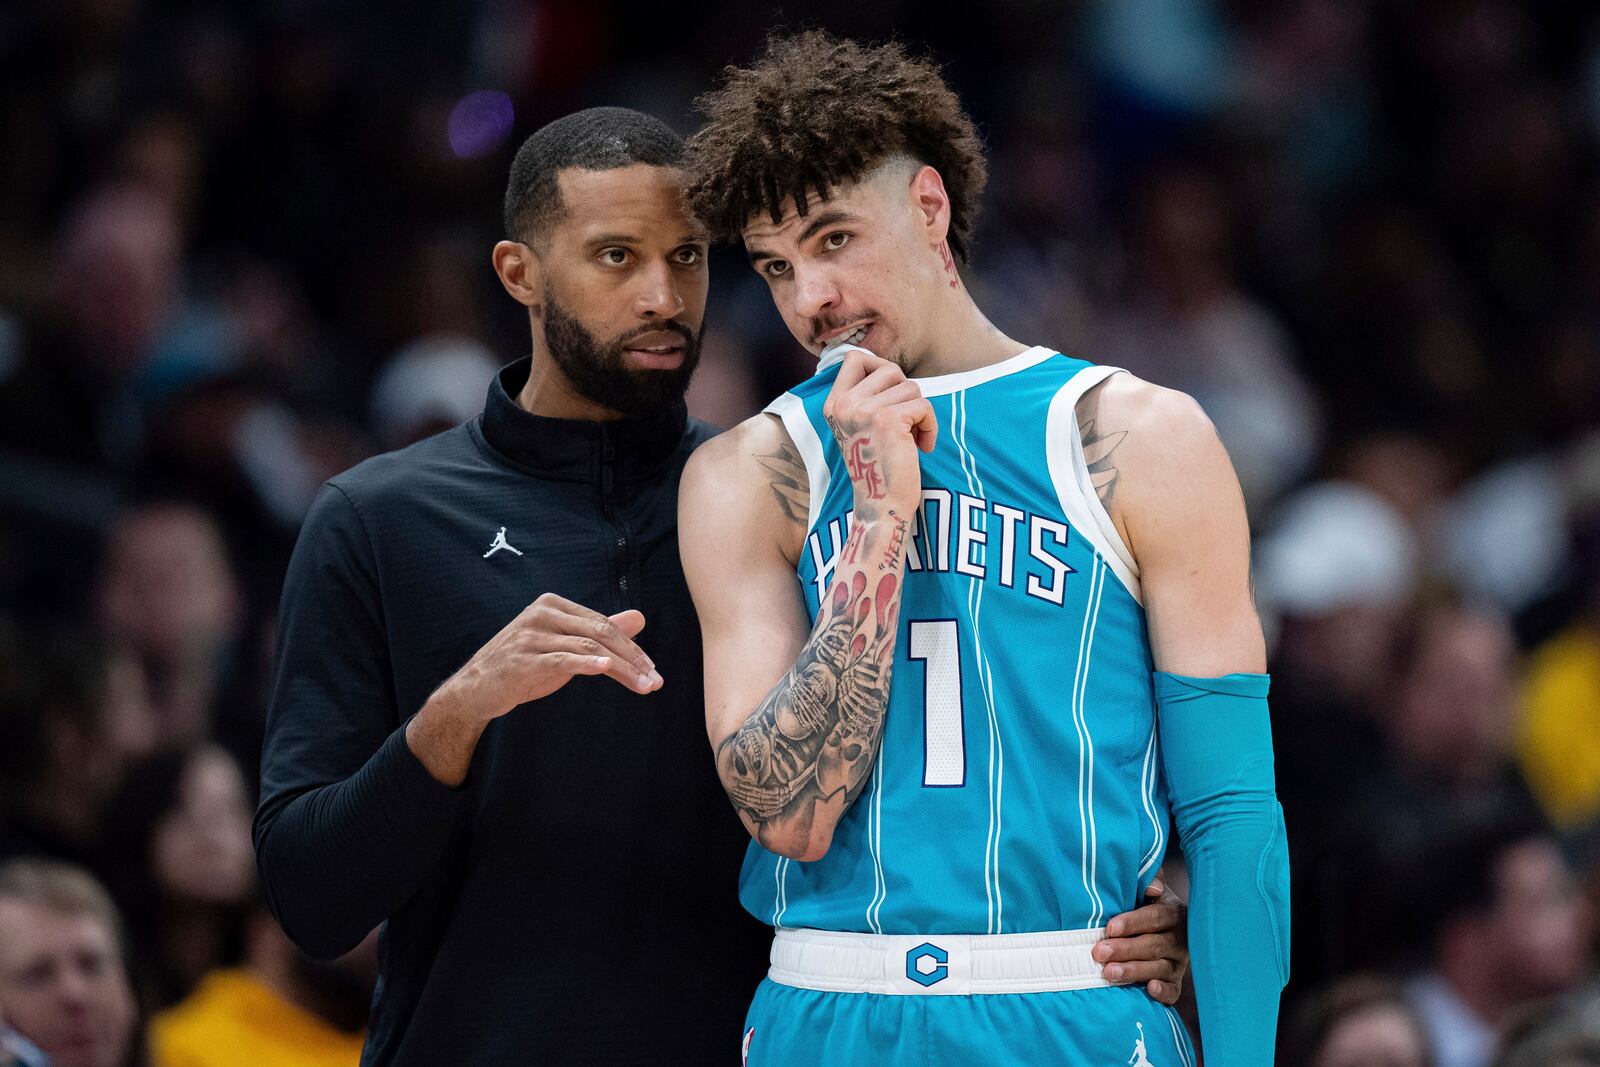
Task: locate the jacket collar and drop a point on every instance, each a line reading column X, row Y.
column 574, row 450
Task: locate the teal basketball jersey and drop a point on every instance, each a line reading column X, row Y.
column 1018, row 787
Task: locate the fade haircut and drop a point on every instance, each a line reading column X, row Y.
column 816, row 111
column 599, row 138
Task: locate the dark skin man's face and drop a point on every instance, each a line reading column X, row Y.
column 625, row 288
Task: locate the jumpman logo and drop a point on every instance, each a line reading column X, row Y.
column 499, row 543
column 1140, row 1057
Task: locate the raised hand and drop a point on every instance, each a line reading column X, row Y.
column 880, row 419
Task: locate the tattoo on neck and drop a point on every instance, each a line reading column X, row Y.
column 943, row 248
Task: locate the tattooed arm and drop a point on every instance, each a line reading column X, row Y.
column 796, row 712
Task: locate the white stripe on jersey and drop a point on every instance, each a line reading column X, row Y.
column 1089, row 852
column 997, row 758
column 1178, row 1031
column 880, row 889
column 1147, row 794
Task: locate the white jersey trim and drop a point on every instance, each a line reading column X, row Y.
column 1069, row 473
column 791, row 411
column 942, row 384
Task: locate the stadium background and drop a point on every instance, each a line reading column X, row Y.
column 245, row 245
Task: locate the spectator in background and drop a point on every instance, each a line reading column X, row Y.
column 178, row 855
column 167, row 592
column 1564, row 1033
column 73, row 713
column 429, row 385
column 1447, row 760
column 280, row 1009
column 1187, row 322
column 115, row 284
column 63, row 979
column 1511, row 929
column 1559, row 741
column 1335, row 576
column 1358, row 1021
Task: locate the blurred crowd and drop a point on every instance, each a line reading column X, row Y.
column 245, row 245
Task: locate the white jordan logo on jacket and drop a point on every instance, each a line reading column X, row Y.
column 499, row 543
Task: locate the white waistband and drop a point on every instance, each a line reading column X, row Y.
column 937, row 965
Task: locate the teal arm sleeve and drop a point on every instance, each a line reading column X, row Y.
column 1216, row 747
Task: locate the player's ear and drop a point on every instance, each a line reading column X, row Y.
column 931, row 202
column 520, row 271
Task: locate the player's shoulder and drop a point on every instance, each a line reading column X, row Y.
column 1161, row 442
column 738, row 450
column 1125, row 401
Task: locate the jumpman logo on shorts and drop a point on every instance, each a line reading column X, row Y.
column 1140, row 1058
column 499, row 543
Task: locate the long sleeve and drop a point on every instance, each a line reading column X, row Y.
column 1216, row 747
column 350, row 824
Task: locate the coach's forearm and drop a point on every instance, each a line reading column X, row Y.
column 805, row 753
column 336, row 860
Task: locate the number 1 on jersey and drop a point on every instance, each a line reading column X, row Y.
column 937, row 643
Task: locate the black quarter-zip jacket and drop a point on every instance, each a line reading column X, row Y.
column 575, row 901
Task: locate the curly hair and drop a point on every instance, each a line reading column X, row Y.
column 817, row 110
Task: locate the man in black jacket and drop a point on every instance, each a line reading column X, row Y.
column 557, row 880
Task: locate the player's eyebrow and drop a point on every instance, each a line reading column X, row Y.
column 824, row 220
column 821, row 222
column 614, row 239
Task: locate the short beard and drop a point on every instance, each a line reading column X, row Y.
column 598, row 370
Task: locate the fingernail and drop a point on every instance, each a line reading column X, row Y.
column 1115, row 929
column 1113, row 971
column 655, row 676
column 646, row 681
column 1102, row 951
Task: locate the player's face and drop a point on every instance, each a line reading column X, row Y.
column 861, row 266
column 625, row 287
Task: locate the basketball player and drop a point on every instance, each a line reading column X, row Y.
column 548, row 851
column 971, row 635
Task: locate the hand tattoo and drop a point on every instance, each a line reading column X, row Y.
column 864, row 469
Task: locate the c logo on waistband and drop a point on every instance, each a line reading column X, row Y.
column 927, row 964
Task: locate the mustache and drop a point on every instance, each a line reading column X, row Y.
column 671, row 324
column 828, row 323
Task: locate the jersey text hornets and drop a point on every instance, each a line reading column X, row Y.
column 954, row 531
